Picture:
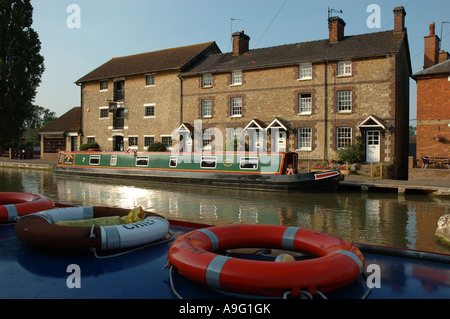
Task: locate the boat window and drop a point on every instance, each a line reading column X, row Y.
column 173, row 161
column 208, row 162
column 94, row 160
column 113, row 160
column 142, row 161
column 249, row 163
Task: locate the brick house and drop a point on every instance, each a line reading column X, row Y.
column 63, row 134
column 312, row 98
column 134, row 101
column 433, row 100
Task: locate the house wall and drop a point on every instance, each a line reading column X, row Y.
column 165, row 95
column 433, row 116
column 269, row 93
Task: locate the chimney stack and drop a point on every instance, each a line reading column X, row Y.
column 399, row 19
column 432, row 43
column 240, row 43
column 336, row 29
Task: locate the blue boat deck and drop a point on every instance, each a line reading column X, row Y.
column 29, row 273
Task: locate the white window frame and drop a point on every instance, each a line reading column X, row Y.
column 207, row 80
column 137, row 141
column 305, row 139
column 162, row 141
column 94, row 157
column 146, row 80
column 100, row 113
column 103, row 89
column 248, row 160
column 343, row 137
column 173, row 159
column 236, row 78
column 204, row 107
column 208, row 159
column 305, row 71
column 344, row 68
column 142, row 158
column 344, row 101
column 148, row 136
column 145, row 110
column 236, row 107
column 301, row 100
column 113, row 160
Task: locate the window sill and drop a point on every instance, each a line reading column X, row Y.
column 303, row 150
column 305, row 79
column 238, row 115
column 344, row 76
column 206, row 116
column 236, row 84
column 149, row 117
column 305, row 113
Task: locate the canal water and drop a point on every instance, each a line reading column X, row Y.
column 389, row 219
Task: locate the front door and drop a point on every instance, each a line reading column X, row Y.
column 118, row 143
column 373, row 146
column 256, row 140
column 280, row 141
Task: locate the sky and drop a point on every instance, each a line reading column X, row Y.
column 76, row 41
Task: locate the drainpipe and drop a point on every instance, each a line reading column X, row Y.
column 181, row 98
column 325, row 146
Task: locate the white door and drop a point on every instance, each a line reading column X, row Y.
column 279, row 142
column 256, row 140
column 373, row 146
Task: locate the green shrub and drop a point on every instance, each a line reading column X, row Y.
column 352, row 152
column 157, row 147
column 85, row 147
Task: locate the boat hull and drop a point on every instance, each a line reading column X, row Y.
column 292, row 183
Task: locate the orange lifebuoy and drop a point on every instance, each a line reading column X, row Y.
column 338, row 262
column 15, row 204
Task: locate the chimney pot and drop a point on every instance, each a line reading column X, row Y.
column 432, row 28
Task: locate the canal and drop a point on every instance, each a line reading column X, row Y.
column 389, row 219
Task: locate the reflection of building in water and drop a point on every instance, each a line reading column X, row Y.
column 173, row 207
column 248, row 215
column 208, row 212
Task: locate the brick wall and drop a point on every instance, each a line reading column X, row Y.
column 433, row 116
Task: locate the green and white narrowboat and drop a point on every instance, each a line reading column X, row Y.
column 243, row 170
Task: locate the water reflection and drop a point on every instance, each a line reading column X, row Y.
column 383, row 219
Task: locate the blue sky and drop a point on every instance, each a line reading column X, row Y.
column 112, row 28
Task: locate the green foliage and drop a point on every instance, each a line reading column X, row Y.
column 39, row 117
column 21, row 67
column 352, row 152
column 232, row 145
column 93, row 145
column 157, row 147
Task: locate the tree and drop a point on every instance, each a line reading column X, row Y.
column 39, row 117
column 21, row 67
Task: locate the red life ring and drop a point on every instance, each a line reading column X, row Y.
column 14, row 205
column 339, row 262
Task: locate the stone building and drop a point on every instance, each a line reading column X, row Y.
column 312, row 98
column 433, row 101
column 134, row 101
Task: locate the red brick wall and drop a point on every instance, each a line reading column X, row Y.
column 433, row 116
